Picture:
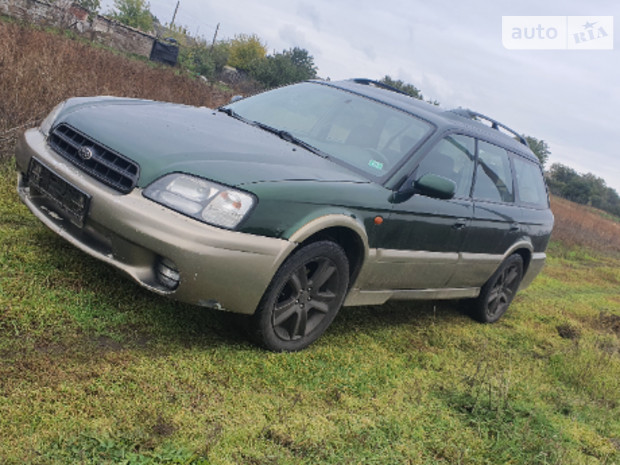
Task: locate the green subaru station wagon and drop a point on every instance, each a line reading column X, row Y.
column 290, row 204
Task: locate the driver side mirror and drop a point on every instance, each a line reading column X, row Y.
column 435, row 186
column 431, row 185
column 236, row 98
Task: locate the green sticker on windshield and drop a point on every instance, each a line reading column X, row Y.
column 375, row 164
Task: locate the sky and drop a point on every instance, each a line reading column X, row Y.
column 453, row 52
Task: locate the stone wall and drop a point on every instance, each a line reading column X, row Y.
column 66, row 15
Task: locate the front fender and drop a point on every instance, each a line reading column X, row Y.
column 298, row 233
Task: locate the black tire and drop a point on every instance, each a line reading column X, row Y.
column 497, row 293
column 303, row 298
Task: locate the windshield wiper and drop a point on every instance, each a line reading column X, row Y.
column 234, row 114
column 287, row 136
column 281, row 133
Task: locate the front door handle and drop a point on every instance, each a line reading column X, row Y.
column 460, row 224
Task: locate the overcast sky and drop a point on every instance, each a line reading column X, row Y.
column 453, row 52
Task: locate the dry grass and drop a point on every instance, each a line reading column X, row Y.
column 576, row 225
column 39, row 70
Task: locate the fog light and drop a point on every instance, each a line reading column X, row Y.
column 167, row 273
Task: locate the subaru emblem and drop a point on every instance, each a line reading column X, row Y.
column 85, row 153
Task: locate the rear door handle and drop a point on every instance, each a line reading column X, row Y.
column 514, row 227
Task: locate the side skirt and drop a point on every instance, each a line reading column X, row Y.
column 358, row 297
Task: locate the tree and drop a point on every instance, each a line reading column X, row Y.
column 134, row 13
column 303, row 62
column 92, row 6
column 279, row 69
column 539, row 147
column 408, row 89
column 586, row 189
column 245, row 50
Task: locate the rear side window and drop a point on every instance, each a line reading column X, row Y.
column 493, row 174
column 530, row 183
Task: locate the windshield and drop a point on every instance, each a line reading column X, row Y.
column 367, row 135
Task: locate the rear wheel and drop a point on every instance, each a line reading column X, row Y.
column 498, row 292
column 303, row 298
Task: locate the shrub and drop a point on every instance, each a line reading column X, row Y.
column 245, row 50
column 290, row 66
column 202, row 59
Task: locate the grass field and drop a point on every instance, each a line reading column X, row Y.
column 95, row 370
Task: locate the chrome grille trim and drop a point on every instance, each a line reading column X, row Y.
column 104, row 164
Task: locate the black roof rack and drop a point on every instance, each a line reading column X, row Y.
column 464, row 112
column 371, row 82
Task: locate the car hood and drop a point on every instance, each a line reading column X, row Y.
column 164, row 138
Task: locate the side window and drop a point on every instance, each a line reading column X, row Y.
column 453, row 158
column 493, row 174
column 530, row 183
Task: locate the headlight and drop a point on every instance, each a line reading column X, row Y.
column 201, row 199
column 48, row 122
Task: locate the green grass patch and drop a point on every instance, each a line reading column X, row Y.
column 95, row 370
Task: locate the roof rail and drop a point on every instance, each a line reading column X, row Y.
column 370, row 82
column 466, row 113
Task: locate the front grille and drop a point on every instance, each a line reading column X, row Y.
column 99, row 161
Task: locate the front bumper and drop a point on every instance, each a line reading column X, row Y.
column 218, row 268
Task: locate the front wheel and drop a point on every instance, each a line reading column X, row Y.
column 498, row 292
column 303, row 298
